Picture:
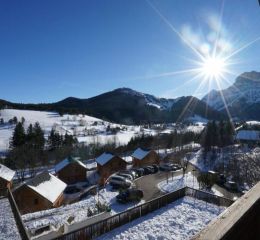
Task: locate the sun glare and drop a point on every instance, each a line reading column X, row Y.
column 213, row 67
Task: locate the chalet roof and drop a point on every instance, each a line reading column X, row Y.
column 250, row 135
column 47, row 185
column 140, row 153
column 6, row 173
column 127, row 159
column 104, row 158
column 66, row 162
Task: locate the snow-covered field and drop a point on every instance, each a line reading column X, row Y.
column 8, row 228
column 189, row 180
column 87, row 129
column 197, row 128
column 191, row 146
column 179, row 220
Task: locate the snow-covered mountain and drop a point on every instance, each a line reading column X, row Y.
column 126, row 106
column 160, row 103
column 242, row 98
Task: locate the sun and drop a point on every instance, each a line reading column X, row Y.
column 213, row 67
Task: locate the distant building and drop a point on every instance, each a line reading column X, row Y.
column 43, row 192
column 6, row 177
column 71, row 170
column 107, row 164
column 143, row 157
column 248, row 136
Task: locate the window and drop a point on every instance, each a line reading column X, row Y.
column 36, row 201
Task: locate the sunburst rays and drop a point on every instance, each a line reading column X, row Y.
column 210, row 67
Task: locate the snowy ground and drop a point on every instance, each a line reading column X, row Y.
column 197, row 128
column 178, row 220
column 240, row 163
column 8, row 228
column 58, row 216
column 108, row 196
column 77, row 211
column 163, row 152
column 87, row 129
column 178, row 182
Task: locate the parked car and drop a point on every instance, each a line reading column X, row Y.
column 118, row 181
column 92, row 190
column 139, row 171
column 166, row 167
column 126, row 175
column 130, row 195
column 176, row 167
column 148, row 170
column 155, row 167
column 131, row 172
column 153, row 170
column 221, row 179
column 230, row 185
column 71, row 190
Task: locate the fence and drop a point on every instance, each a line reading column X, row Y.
column 208, row 197
column 3, row 192
column 17, row 216
column 96, row 229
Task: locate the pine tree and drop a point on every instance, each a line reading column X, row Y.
column 229, row 133
column 221, row 127
column 23, row 120
column 38, row 137
column 55, row 140
column 15, row 120
column 30, row 134
column 69, row 140
column 19, row 136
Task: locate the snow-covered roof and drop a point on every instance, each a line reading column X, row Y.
column 140, row 153
column 252, row 135
column 90, row 164
column 127, row 159
column 6, row 173
column 47, row 185
column 104, row 158
column 66, row 162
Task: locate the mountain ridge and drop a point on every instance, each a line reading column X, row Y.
column 125, row 105
column 242, row 98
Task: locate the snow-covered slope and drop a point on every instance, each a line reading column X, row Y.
column 245, row 90
column 160, row 103
column 85, row 128
column 47, row 120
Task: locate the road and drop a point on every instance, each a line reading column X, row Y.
column 149, row 184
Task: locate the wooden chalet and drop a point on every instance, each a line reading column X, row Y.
column 6, row 178
column 107, row 164
column 43, row 192
column 71, row 170
column 142, row 157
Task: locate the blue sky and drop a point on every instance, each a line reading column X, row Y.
column 50, row 50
